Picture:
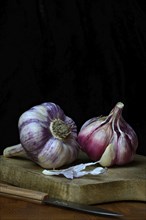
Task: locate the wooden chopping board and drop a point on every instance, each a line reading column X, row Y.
column 117, row 184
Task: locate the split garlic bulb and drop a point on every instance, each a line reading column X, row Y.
column 47, row 137
column 109, row 139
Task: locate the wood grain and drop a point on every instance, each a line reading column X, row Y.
column 23, row 194
column 11, row 209
column 117, row 184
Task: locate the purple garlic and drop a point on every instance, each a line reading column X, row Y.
column 109, row 139
column 47, row 137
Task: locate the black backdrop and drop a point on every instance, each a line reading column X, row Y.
column 84, row 55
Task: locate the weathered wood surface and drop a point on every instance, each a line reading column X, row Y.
column 117, row 184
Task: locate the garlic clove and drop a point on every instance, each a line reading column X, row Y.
column 124, row 152
column 99, row 136
column 15, row 151
column 108, row 156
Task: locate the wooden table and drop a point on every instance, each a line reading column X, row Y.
column 14, row 209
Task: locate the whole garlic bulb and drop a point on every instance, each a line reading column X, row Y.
column 109, row 139
column 47, row 137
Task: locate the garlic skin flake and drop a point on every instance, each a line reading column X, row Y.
column 47, row 137
column 76, row 171
column 109, row 139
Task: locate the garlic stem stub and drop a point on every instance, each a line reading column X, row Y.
column 47, row 137
column 109, row 139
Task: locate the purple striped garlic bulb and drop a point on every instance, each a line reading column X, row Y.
column 109, row 139
column 47, row 137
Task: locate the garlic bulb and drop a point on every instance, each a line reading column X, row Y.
column 47, row 137
column 109, row 139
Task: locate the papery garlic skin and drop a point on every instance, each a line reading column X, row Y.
column 109, row 139
column 47, row 136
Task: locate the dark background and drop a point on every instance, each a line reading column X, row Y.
column 84, row 55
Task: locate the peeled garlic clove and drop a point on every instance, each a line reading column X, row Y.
column 109, row 139
column 108, row 156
